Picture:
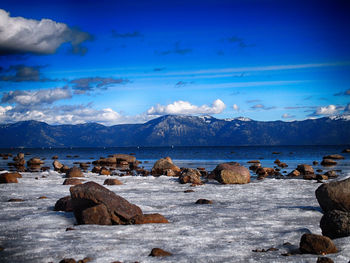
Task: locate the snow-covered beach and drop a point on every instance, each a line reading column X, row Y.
column 270, row 213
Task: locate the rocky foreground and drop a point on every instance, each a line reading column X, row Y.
column 227, row 203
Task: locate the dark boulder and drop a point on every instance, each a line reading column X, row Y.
column 204, row 202
column 68, row 260
column 334, row 195
column 335, row 224
column 158, row 252
column 324, row 260
column 114, row 208
column 331, row 174
column 328, row 162
column 112, row 182
column 64, row 204
column 334, row 156
column 305, row 169
column 316, row 244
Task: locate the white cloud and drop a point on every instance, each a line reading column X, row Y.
column 327, row 110
column 3, row 110
column 45, row 96
column 69, row 115
column 287, row 116
column 235, row 107
column 186, row 108
column 21, row 35
column 262, row 107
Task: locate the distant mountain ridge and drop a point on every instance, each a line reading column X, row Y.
column 179, row 131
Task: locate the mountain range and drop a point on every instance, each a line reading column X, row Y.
column 179, row 131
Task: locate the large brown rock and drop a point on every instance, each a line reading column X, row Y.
column 74, row 172
column 164, row 164
column 231, row 173
column 335, row 224
column 316, row 244
column 190, row 175
column 222, row 166
column 91, row 194
column 97, row 214
column 239, row 175
column 305, row 169
column 334, row 195
column 7, row 178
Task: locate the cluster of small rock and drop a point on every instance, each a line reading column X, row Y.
column 334, row 199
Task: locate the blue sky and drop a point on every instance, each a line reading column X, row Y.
column 130, row 61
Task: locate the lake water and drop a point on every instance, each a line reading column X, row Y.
column 193, row 157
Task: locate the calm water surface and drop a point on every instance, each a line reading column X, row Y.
column 207, row 157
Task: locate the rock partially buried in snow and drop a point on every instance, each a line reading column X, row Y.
column 151, row 219
column 190, row 175
column 204, row 202
column 160, row 167
column 7, row 178
column 72, row 181
column 334, row 196
column 95, row 204
column 335, row 224
column 316, row 244
column 158, row 252
column 112, row 182
column 231, row 173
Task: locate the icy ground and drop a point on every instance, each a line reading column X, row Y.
column 258, row 215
